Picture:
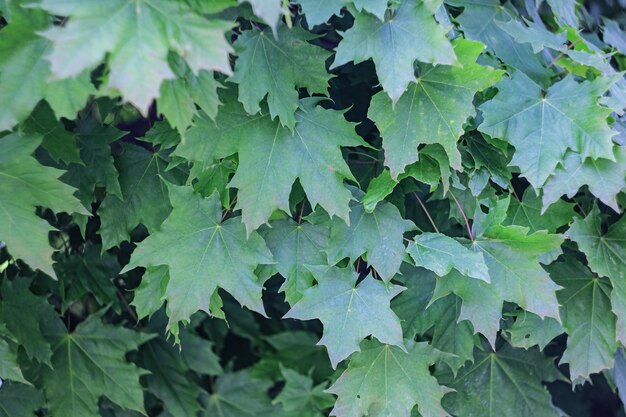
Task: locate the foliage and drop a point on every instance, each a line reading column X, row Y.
column 299, row 208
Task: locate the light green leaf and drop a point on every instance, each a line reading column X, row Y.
column 383, row 380
column 441, row 253
column 433, row 110
column 25, row 184
column 9, row 368
column 269, row 11
column 542, row 128
column 136, row 45
column 199, row 250
column 605, row 178
column 391, row 44
column 277, row 68
column 349, row 312
column 512, row 257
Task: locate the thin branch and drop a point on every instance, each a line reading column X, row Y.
column 127, row 306
column 469, row 230
column 419, row 200
column 230, row 207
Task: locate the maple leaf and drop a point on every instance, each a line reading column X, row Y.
column 606, row 256
column 277, row 68
column 300, row 398
column 512, row 258
column 482, row 20
column 199, row 249
column 390, row 44
column 528, row 212
column 238, row 394
column 349, row 312
column 137, row 45
column 603, row 177
column 441, row 253
column 89, row 363
column 25, row 184
column 587, row 318
column 272, row 157
column 530, row 330
column 433, row 109
column 497, row 381
column 378, row 234
column 24, row 73
column 542, row 129
column 383, row 380
column 140, row 173
column 19, row 400
column 319, row 11
column 481, row 303
column 295, row 245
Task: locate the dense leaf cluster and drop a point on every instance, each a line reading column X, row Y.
column 308, row 208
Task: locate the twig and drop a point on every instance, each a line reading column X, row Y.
column 230, row 206
column 127, row 306
column 419, row 200
column 469, row 230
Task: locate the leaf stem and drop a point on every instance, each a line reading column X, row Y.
column 469, row 230
column 419, row 200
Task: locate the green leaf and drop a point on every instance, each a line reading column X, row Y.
column 168, row 380
column 512, row 257
column 141, row 185
column 390, row 44
column 481, row 306
column 277, row 68
column 24, row 73
column 239, row 395
column 378, row 234
column 441, row 253
column 9, row 368
column 349, row 312
column 481, row 21
column 90, row 363
column 149, row 295
column 383, row 380
column 542, row 128
column 530, row 330
column 295, row 245
column 60, row 143
column 89, row 272
column 24, row 184
column 199, row 250
column 269, row 11
column 97, row 169
column 603, row 177
column 606, row 256
column 137, row 45
column 267, row 166
column 433, row 110
column 300, row 398
column 528, row 213
column 26, row 328
column 496, row 383
column 587, row 318
column 19, row 400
